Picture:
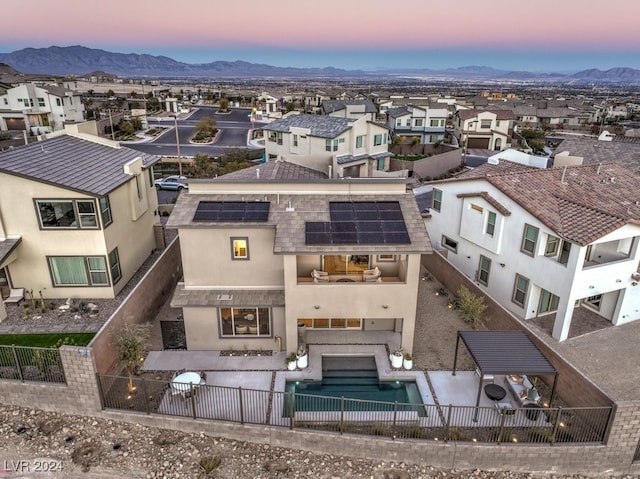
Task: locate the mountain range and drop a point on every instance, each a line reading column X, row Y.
column 79, row 61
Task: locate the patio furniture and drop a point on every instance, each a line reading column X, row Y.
column 486, row 378
column 371, row 275
column 522, row 389
column 186, row 383
column 532, row 411
column 495, row 392
column 242, row 329
column 16, row 295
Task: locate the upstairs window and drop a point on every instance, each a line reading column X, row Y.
column 239, row 248
column 529, row 240
column 380, row 139
column 359, row 141
column 491, row 223
column 520, row 289
column 54, row 214
column 105, row 211
column 485, row 123
column 436, row 202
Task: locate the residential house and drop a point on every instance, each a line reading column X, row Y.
column 545, row 242
column 40, row 109
column 484, row 129
column 337, row 255
column 425, row 122
column 77, row 215
column 339, row 147
column 350, row 109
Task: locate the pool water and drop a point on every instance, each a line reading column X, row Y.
column 352, row 378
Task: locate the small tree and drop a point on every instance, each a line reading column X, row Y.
column 130, row 341
column 224, row 104
column 471, row 306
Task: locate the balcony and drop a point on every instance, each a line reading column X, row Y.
column 351, row 269
column 601, row 254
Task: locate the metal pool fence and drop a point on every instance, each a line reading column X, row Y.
column 31, row 364
column 374, row 418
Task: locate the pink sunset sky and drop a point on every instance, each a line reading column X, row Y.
column 550, row 35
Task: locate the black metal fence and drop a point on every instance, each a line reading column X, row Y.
column 353, row 416
column 31, row 364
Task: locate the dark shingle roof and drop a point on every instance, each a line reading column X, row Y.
column 329, row 106
column 580, row 203
column 500, row 114
column 320, row 126
column 74, row 163
column 592, row 150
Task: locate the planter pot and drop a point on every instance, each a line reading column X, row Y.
column 303, row 361
column 407, row 363
column 396, row 361
column 291, row 365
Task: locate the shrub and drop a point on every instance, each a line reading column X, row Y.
column 471, row 306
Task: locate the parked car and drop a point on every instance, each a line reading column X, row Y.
column 174, row 182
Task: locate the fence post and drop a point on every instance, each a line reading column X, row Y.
column 341, row 425
column 100, row 391
column 146, row 395
column 395, row 418
column 15, row 358
column 241, row 405
column 292, row 400
column 556, row 425
column 448, row 425
column 501, row 427
column 193, row 400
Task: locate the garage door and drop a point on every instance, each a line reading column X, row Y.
column 15, row 124
column 478, row 143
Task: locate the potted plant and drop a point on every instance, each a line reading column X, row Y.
column 291, row 361
column 407, row 361
column 303, row 357
column 396, row 357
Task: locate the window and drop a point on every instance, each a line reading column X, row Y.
column 295, row 140
column 380, row 139
column 67, row 214
column 419, row 121
column 520, row 289
column 58, row 102
column 359, row 141
column 565, row 251
column 529, row 240
column 497, row 123
column 380, row 166
column 551, row 248
column 436, row 202
column 483, row 270
column 239, row 248
column 449, row 244
column 485, row 123
column 491, row 223
column 399, row 122
column 275, row 137
column 548, row 302
column 331, row 145
column 41, row 101
column 78, row 271
column 408, row 122
column 114, row 266
column 435, row 123
column 594, row 301
column 386, row 258
column 246, row 321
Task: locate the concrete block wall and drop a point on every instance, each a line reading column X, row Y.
column 78, row 396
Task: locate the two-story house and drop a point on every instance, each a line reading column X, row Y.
column 40, row 109
column 339, row 147
column 77, row 215
column 485, row 129
column 426, row 122
column 544, row 242
column 264, row 253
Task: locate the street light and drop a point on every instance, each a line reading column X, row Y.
column 175, row 121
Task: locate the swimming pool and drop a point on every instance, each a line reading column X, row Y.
column 353, row 378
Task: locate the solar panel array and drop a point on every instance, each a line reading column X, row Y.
column 366, row 222
column 243, row 211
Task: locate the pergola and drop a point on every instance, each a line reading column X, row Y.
column 504, row 352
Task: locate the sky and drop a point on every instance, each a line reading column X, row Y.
column 534, row 35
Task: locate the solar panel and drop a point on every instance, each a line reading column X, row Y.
column 346, row 215
column 370, row 237
column 366, row 215
column 317, row 227
column 393, row 226
column 343, row 227
column 401, row 237
column 340, row 206
column 344, row 238
column 318, row 238
column 368, row 226
column 391, row 215
column 232, row 211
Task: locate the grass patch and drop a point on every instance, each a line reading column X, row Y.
column 45, row 340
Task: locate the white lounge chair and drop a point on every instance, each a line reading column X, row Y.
column 320, row 276
column 371, row 275
column 15, row 296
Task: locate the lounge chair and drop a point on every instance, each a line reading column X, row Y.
column 15, row 296
column 319, row 276
column 371, row 275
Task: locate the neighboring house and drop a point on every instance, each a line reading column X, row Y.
column 339, row 147
column 519, row 157
column 77, row 215
column 484, row 129
column 606, row 148
column 425, row 122
column 250, row 243
column 565, row 117
column 40, row 109
column 350, row 109
column 543, row 242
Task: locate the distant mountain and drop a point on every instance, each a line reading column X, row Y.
column 79, row 60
